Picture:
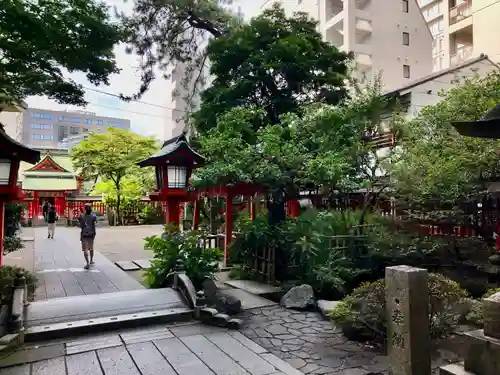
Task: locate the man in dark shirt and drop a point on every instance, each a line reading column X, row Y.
column 87, row 222
column 45, row 210
column 51, row 221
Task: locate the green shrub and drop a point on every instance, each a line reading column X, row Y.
column 7, row 276
column 362, row 314
column 475, row 315
column 12, row 243
column 173, row 246
column 150, row 215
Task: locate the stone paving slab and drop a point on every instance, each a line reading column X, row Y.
column 93, row 306
column 253, row 287
column 59, row 266
column 248, row 300
column 126, row 265
column 187, row 352
column 143, row 263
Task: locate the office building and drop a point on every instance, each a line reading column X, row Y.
column 46, row 128
column 462, row 30
column 388, row 37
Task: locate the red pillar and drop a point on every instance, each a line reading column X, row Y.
column 229, row 227
column 196, row 214
column 293, row 208
column 173, row 212
column 251, row 207
column 2, row 234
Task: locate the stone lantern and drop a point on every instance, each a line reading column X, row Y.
column 173, row 167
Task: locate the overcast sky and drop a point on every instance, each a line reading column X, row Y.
column 146, row 119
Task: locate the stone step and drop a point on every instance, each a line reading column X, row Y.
column 253, row 287
column 106, row 323
column 454, row 369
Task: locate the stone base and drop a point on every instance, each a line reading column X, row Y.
column 454, row 369
column 483, row 353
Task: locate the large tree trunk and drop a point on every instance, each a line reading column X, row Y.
column 118, row 204
column 276, row 216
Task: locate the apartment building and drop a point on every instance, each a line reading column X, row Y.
column 462, row 30
column 12, row 120
column 390, row 37
column 46, row 128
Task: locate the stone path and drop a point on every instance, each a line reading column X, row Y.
column 59, row 266
column 314, row 346
column 191, row 349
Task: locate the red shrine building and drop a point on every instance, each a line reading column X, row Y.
column 52, row 180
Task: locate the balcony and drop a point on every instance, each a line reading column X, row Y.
column 461, row 11
column 461, row 55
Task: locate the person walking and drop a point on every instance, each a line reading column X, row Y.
column 51, row 221
column 45, row 210
column 87, row 222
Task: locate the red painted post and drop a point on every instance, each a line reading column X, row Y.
column 2, row 217
column 229, row 227
column 173, row 212
column 196, row 214
column 251, row 207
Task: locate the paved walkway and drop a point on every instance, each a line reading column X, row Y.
column 59, row 266
column 314, row 346
column 191, row 349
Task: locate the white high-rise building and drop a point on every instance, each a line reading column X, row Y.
column 387, row 36
column 462, row 30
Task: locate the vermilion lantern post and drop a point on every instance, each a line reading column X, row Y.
column 173, row 166
column 11, row 155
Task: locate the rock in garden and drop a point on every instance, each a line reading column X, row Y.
column 299, row 297
column 216, row 298
column 325, row 306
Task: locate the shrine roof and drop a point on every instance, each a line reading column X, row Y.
column 62, row 163
column 169, row 148
column 49, row 183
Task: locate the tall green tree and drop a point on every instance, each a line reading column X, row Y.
column 40, row 38
column 112, row 157
column 274, row 63
column 438, row 166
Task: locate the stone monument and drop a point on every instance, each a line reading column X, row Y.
column 482, row 356
column 407, row 304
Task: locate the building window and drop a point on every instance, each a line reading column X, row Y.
column 406, row 71
column 41, row 126
column 115, row 124
column 75, row 120
column 87, row 121
column 99, row 122
column 405, row 6
column 406, row 39
column 74, row 130
column 43, row 137
column 85, row 130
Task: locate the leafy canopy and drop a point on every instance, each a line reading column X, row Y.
column 439, row 165
column 40, row 37
column 111, row 156
column 275, row 64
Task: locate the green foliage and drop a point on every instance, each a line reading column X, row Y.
column 173, row 246
column 475, row 315
column 112, row 157
column 8, row 274
column 12, row 243
column 38, row 38
column 362, row 315
column 150, row 215
column 12, row 220
column 436, row 163
column 280, row 63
